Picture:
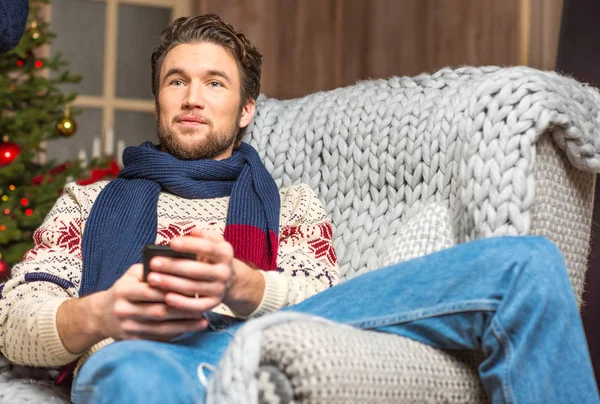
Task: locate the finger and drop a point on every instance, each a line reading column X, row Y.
column 202, row 247
column 163, row 331
column 137, row 291
column 143, row 293
column 206, row 249
column 202, row 303
column 209, row 234
column 136, row 271
column 195, row 270
column 158, row 312
column 125, row 310
column 185, row 286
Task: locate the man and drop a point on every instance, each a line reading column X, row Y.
column 81, row 287
column 70, row 296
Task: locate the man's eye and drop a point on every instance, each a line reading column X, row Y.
column 176, row 82
column 215, row 84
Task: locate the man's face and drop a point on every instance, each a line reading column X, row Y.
column 198, row 111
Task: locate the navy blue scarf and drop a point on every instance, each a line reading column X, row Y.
column 124, row 218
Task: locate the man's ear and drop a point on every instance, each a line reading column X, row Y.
column 248, row 113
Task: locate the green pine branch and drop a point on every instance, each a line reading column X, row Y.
column 31, row 103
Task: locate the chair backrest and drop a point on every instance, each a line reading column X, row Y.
column 377, row 151
column 374, row 152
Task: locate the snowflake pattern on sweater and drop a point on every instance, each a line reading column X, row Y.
column 51, row 272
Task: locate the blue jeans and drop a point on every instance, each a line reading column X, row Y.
column 509, row 297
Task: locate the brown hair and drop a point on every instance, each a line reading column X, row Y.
column 211, row 28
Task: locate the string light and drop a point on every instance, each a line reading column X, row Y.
column 2, row 228
column 5, row 198
column 7, row 211
column 24, row 202
column 12, row 187
column 28, row 212
column 38, row 64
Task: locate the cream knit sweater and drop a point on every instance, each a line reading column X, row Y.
column 51, row 272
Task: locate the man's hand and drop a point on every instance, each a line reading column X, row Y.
column 130, row 309
column 215, row 277
column 135, row 310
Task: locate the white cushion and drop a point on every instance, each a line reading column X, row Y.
column 428, row 231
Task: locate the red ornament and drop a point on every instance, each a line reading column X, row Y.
column 8, row 152
column 38, row 179
column 4, row 270
column 60, row 168
column 98, row 174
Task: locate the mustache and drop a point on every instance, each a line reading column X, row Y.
column 195, row 116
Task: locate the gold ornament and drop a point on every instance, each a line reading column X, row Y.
column 66, row 126
column 33, row 31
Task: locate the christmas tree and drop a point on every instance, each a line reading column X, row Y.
column 33, row 109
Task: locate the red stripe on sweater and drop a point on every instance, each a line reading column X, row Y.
column 250, row 244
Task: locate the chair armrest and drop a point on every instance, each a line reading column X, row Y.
column 316, row 361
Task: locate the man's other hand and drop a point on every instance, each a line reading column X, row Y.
column 214, row 277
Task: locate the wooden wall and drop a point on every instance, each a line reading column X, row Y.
column 544, row 32
column 313, row 45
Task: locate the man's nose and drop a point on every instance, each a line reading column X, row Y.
column 194, row 97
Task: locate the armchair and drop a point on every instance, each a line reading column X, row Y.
column 507, row 151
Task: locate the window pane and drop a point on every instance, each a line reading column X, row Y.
column 79, row 27
column 138, row 29
column 89, row 126
column 135, row 127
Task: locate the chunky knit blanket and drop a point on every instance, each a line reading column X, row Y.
column 472, row 140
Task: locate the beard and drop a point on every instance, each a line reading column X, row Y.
column 214, row 144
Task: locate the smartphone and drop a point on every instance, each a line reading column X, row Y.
column 153, row 250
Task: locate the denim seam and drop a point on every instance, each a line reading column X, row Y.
column 86, row 388
column 452, row 308
column 502, row 337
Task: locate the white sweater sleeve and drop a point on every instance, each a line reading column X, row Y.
column 306, row 262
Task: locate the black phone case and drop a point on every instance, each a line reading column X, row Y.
column 153, row 250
